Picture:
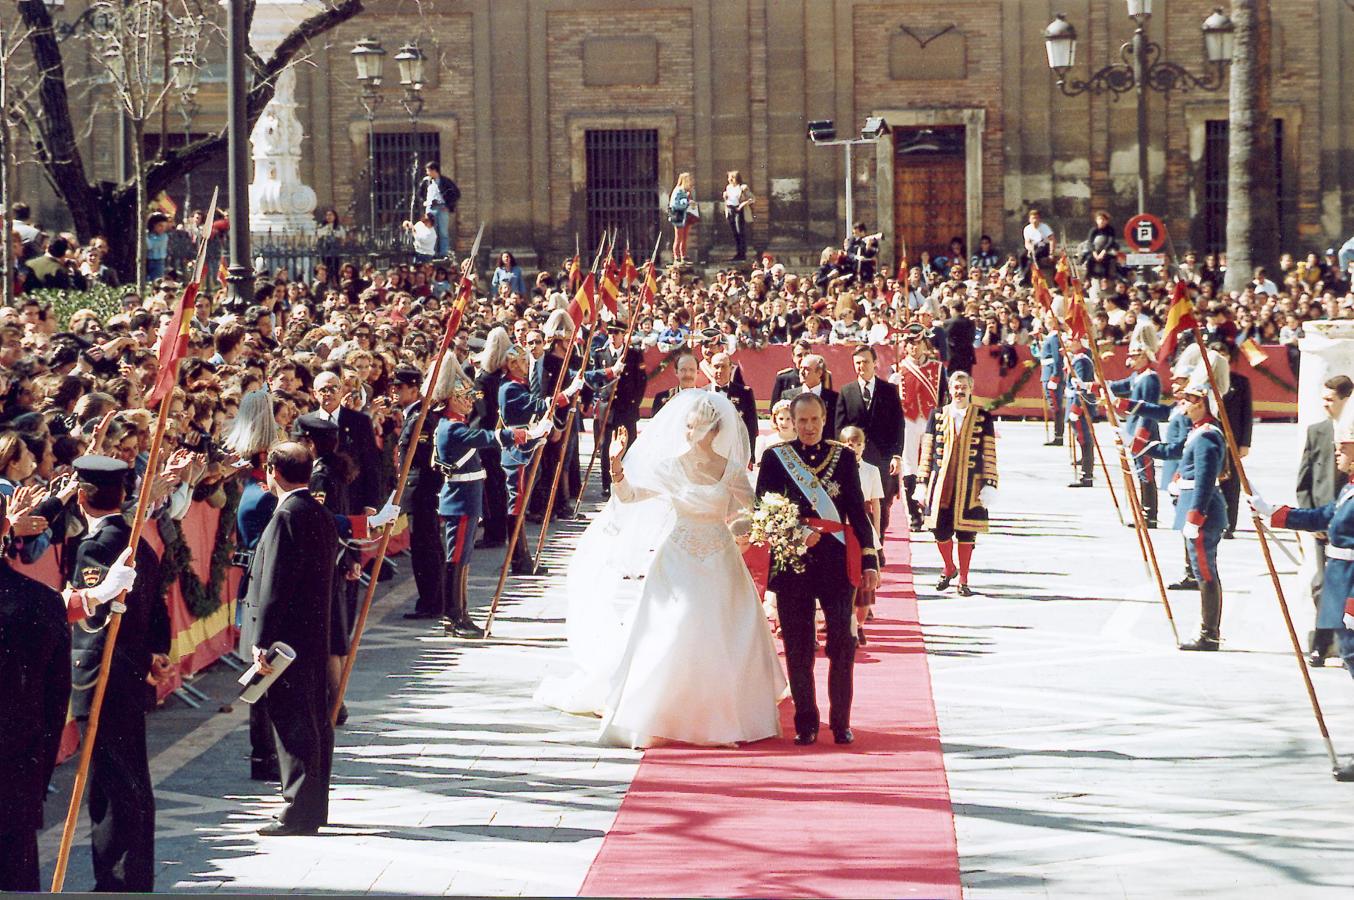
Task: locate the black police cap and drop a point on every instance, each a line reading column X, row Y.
column 408, row 375
column 101, row 471
column 314, row 423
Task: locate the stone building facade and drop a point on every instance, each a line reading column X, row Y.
column 560, row 117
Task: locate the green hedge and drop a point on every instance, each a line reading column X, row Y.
column 104, row 300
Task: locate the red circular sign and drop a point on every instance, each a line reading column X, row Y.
column 1145, row 233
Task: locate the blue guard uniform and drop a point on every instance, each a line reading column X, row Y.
column 1201, row 515
column 1337, row 520
column 518, row 407
column 1081, row 413
column 456, row 447
column 1049, row 353
column 1143, row 390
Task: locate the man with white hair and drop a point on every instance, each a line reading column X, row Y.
column 811, row 369
column 721, row 370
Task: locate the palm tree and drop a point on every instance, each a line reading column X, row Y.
column 1252, row 201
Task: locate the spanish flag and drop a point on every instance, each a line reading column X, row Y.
column 611, row 289
column 648, row 291
column 1042, row 295
column 583, row 308
column 174, row 343
column 464, row 292
column 629, row 274
column 1078, row 322
column 575, row 273
column 1179, row 318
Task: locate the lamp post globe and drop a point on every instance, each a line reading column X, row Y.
column 1219, row 37
column 369, row 58
column 1060, row 42
column 410, row 60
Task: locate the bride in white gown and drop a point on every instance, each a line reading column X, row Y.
column 692, row 659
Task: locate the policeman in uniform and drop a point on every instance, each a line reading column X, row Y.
column 520, row 408
column 1200, row 514
column 121, row 799
column 460, row 503
column 1142, row 388
column 35, row 646
column 622, row 397
column 420, row 492
column 1336, row 519
column 1081, row 408
column 1049, row 353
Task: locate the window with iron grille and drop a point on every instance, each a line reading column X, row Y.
column 1214, row 207
column 622, row 186
column 396, row 176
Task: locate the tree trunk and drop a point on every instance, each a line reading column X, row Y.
column 138, row 216
column 1252, row 200
column 7, row 265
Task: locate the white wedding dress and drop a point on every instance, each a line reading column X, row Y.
column 690, row 658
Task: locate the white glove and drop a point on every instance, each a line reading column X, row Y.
column 388, row 514
column 1190, row 531
column 919, row 493
column 1349, row 621
column 987, row 496
column 119, row 577
column 574, row 387
column 619, row 367
column 541, row 428
column 1258, row 503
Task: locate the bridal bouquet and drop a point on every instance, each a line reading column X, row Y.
column 775, row 523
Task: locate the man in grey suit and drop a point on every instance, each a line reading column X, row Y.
column 1317, row 486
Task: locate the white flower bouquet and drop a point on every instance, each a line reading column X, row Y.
column 775, row 523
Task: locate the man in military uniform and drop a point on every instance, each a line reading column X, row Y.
column 520, row 408
column 621, row 399
column 35, row 644
column 1081, row 408
column 1049, row 353
column 823, row 479
column 687, row 371
column 740, row 395
column 488, row 379
column 788, row 378
column 1200, row 513
column 121, row 799
column 421, row 489
column 457, row 458
column 1142, row 389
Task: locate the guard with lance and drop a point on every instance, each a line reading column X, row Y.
column 1142, row 388
column 456, row 456
column 1081, row 407
column 421, row 489
column 621, row 399
column 121, row 798
column 1049, row 353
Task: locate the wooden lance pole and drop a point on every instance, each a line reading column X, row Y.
column 1239, row 470
column 115, row 611
column 464, row 294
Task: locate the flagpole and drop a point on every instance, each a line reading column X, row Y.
column 1144, row 535
column 524, row 493
column 116, row 608
column 625, row 347
column 1239, row 470
column 466, row 290
column 587, row 334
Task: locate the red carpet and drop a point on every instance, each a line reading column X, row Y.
column 774, row 820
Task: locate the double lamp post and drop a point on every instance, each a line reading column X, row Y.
column 369, row 58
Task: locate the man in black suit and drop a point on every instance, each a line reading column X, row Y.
column 1318, row 483
column 289, row 600
column 825, row 581
column 357, row 438
column 960, row 333
column 789, row 377
column 121, row 798
column 621, row 398
column 420, row 496
column 811, row 370
column 872, row 404
column 687, row 369
column 721, row 367
column 35, row 646
column 1236, row 402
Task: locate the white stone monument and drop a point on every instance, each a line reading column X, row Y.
column 1327, row 350
column 279, row 201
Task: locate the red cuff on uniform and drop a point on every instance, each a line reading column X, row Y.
column 359, row 526
column 561, row 400
column 1195, row 517
column 1349, row 606
column 75, row 607
column 519, row 436
column 1121, row 404
column 1279, row 518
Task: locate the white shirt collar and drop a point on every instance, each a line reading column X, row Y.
column 98, row 523
column 282, row 497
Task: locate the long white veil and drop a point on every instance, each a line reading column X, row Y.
column 617, row 550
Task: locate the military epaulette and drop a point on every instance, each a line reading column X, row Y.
column 787, row 370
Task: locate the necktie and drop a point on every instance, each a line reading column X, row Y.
column 865, row 395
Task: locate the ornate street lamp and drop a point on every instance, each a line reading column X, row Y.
column 1142, row 68
column 369, row 58
column 410, row 60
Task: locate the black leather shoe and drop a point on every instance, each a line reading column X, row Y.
column 944, row 581
column 537, row 517
column 528, row 570
column 1151, row 523
column 1184, row 584
column 842, row 736
column 1085, row 482
column 264, row 769
column 467, row 629
column 420, row 615
column 1345, row 772
column 1201, row 643
column 282, row 829
column 1316, row 660
column 963, row 591
column 1056, row 442
column 564, row 515
column 804, row 738
column 343, row 714
column 860, row 637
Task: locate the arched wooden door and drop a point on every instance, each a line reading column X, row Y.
column 930, row 205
